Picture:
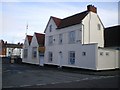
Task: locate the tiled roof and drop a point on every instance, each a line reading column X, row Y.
column 111, row 36
column 40, row 38
column 56, row 20
column 69, row 21
column 29, row 38
column 72, row 20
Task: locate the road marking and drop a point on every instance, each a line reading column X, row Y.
column 24, row 85
column 84, row 79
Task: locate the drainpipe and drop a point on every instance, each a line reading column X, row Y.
column 89, row 26
column 83, row 32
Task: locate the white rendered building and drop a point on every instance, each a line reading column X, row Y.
column 34, row 49
column 78, row 41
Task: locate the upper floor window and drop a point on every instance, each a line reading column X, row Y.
column 50, row 40
column 71, row 57
column 60, row 38
column 99, row 27
column 34, row 52
column 72, row 37
column 50, row 28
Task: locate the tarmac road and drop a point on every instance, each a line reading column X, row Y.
column 31, row 76
column 108, row 82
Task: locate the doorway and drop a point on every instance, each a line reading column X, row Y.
column 41, row 59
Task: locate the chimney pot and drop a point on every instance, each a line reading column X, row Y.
column 92, row 8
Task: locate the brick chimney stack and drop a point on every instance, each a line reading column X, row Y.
column 92, row 8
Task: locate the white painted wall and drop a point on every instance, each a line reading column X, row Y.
column 26, row 46
column 87, row 61
column 92, row 60
column 110, row 61
column 90, row 31
column 34, row 43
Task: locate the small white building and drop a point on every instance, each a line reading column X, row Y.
column 34, row 50
column 26, row 49
column 78, row 41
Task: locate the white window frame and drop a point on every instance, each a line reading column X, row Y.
column 50, row 40
column 71, row 59
column 107, row 53
column 72, row 37
column 34, row 52
column 101, row 53
column 83, row 53
column 60, row 38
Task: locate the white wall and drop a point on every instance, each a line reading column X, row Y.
column 34, row 43
column 87, row 61
column 92, row 60
column 93, row 35
column 26, row 46
column 118, row 59
column 110, row 61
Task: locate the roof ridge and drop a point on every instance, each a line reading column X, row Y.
column 75, row 14
column 55, row 17
column 38, row 33
column 72, row 20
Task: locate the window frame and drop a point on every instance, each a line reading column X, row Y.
column 107, row 53
column 34, row 52
column 60, row 38
column 71, row 57
column 71, row 37
column 101, row 53
column 83, row 53
column 50, row 40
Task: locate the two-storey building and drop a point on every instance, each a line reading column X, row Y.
column 34, row 49
column 78, row 41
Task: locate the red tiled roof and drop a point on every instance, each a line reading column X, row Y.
column 72, row 20
column 40, row 38
column 56, row 20
column 29, row 38
column 69, row 21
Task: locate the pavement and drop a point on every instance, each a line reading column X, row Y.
column 33, row 76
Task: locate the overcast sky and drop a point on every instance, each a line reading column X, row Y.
column 16, row 15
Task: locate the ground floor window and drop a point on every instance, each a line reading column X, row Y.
column 25, row 53
column 71, row 57
column 101, row 53
column 50, row 56
column 107, row 53
column 34, row 52
column 83, row 53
